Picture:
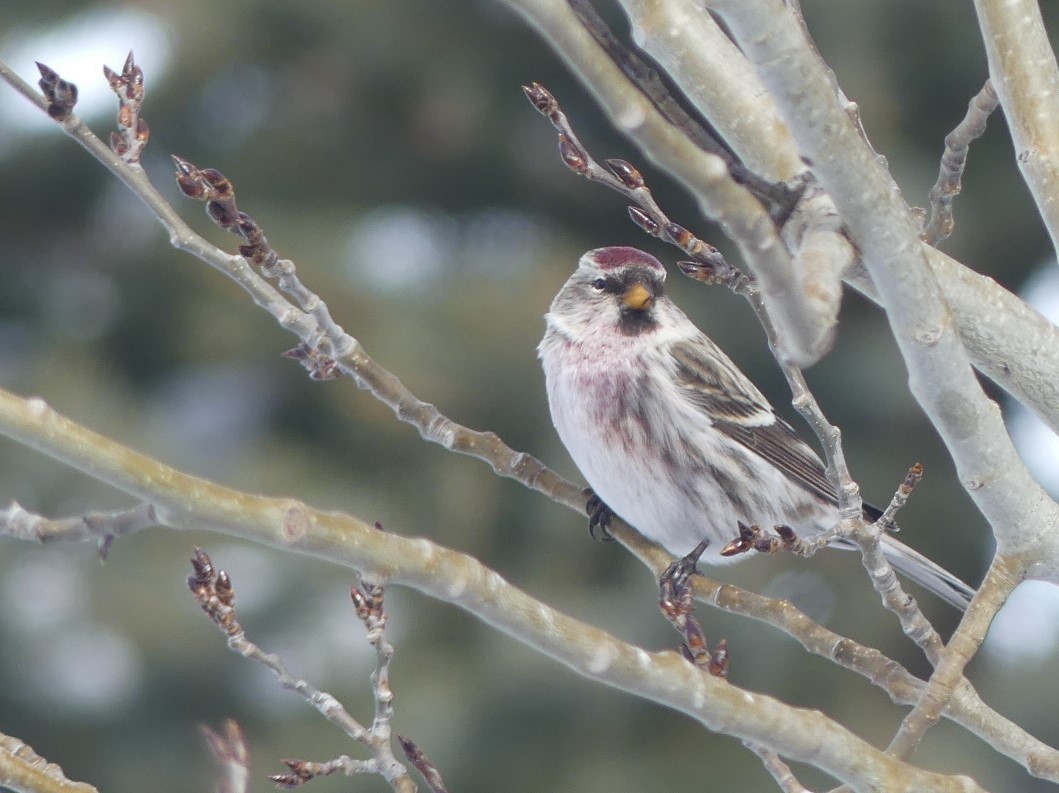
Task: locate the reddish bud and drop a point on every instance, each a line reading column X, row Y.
column 221, row 212
column 719, row 660
column 299, row 353
column 572, row 155
column 222, row 188
column 360, row 603
column 644, row 221
column 540, row 97
column 61, row 95
column 112, row 78
column 628, row 175
column 183, row 166
column 678, row 234
column 224, row 589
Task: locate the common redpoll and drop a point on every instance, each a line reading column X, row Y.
column 670, row 435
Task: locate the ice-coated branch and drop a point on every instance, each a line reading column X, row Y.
column 1023, row 69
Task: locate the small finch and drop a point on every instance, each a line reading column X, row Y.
column 670, row 435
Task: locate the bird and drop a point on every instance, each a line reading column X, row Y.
column 670, row 434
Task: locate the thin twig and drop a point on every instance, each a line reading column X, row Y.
column 779, row 770
column 132, row 135
column 900, row 498
column 953, row 160
column 423, row 764
column 229, row 748
column 104, row 527
column 215, row 593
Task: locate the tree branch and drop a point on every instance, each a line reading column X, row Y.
column 185, row 502
column 997, row 326
column 941, row 378
column 1024, row 72
column 24, row 771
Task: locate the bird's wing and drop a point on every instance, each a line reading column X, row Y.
column 736, row 408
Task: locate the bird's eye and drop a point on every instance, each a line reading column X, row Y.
column 599, row 284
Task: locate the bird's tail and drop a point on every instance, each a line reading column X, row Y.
column 927, row 574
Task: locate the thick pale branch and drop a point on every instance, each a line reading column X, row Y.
column 185, row 502
column 1024, row 72
column 806, row 334
column 1020, row 512
column 24, row 771
column 1009, row 342
column 1023, row 517
column 711, row 71
column 966, row 709
column 715, row 77
column 1000, row 580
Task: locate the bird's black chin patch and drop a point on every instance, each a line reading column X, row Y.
column 633, row 322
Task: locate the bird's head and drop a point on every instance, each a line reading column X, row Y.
column 612, row 287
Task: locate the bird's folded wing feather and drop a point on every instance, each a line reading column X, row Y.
column 738, row 410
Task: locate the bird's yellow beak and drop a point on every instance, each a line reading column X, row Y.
column 637, row 297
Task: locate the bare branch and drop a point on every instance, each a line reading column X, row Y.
column 1004, row 575
column 184, row 502
column 940, row 374
column 1023, row 70
column 24, row 771
column 214, row 591
column 228, row 747
column 132, row 135
column 1007, row 330
column 102, row 526
column 430, row 773
column 953, row 160
column 779, row 770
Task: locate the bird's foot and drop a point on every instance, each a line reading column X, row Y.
column 599, row 515
column 754, row 538
column 675, row 599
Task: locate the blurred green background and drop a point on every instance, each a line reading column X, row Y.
column 387, row 149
